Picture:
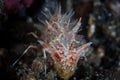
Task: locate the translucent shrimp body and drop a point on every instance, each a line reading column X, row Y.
column 59, row 41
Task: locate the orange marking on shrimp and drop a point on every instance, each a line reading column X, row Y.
column 56, row 55
column 60, row 48
column 62, row 58
column 72, row 53
column 71, row 48
column 69, row 59
column 73, row 60
column 68, row 62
